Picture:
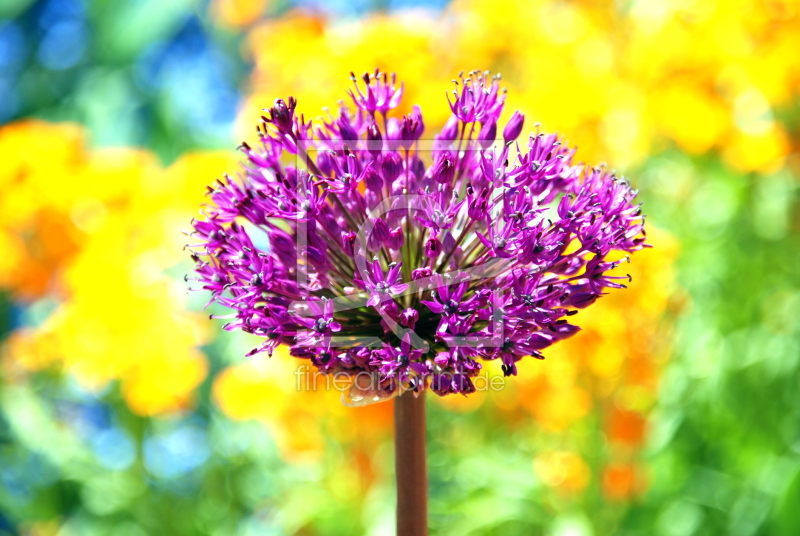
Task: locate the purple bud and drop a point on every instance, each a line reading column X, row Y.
column 389, row 307
column 282, row 115
column 373, row 244
column 476, row 207
column 400, row 185
column 324, row 162
column 279, row 242
column 317, row 256
column 449, row 242
column 417, row 168
column 394, row 133
column 433, row 247
column 396, row 239
column 420, row 273
column 444, row 170
column 442, row 359
column 374, row 140
column 380, row 231
column 488, row 134
column 391, row 166
column 407, row 133
column 450, row 130
column 346, row 130
column 514, row 127
column 416, row 114
column 440, row 384
column 372, row 180
column 408, row 318
column 348, row 242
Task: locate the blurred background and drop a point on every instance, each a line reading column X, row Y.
column 123, row 411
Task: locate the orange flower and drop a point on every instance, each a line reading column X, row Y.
column 621, row 481
column 626, row 427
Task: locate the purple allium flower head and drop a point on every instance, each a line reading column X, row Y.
column 366, row 248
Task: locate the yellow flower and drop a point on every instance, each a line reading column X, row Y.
column 237, row 13
column 301, row 406
column 38, row 239
column 619, row 83
column 98, row 230
column 563, row 470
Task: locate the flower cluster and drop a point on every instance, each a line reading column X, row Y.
column 672, row 82
column 65, row 245
column 341, row 242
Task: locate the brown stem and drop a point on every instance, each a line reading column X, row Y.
column 410, row 467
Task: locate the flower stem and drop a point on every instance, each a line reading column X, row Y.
column 410, row 466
